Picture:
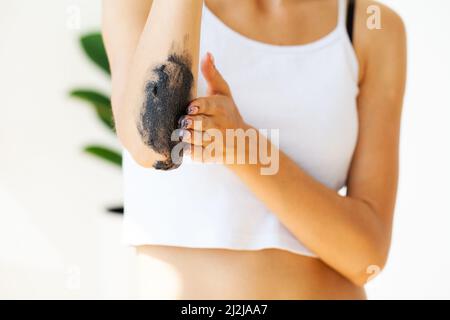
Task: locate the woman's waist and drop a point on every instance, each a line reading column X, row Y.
column 192, row 273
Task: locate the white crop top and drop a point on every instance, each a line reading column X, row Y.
column 308, row 92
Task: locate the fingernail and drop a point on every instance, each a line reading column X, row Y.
column 192, row 110
column 186, row 123
column 211, row 57
column 180, row 135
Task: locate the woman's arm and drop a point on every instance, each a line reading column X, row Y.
column 348, row 233
column 122, row 24
column 154, row 57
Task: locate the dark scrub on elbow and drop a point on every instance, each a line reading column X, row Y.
column 167, row 95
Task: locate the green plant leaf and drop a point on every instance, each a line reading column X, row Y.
column 99, row 101
column 92, row 44
column 105, row 153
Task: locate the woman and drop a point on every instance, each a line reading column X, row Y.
column 315, row 71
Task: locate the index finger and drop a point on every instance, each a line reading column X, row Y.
column 203, row 105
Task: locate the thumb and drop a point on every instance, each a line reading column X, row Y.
column 215, row 81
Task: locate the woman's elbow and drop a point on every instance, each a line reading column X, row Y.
column 140, row 153
column 152, row 137
column 369, row 267
column 142, row 159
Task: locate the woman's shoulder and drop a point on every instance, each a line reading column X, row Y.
column 376, row 21
column 380, row 33
column 377, row 16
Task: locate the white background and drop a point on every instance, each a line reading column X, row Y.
column 55, row 239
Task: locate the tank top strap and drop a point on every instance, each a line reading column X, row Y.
column 347, row 17
column 342, row 13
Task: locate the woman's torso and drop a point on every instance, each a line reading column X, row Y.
column 190, row 273
column 275, row 86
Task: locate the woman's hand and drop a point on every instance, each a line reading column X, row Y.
column 208, row 118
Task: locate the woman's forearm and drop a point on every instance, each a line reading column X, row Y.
column 161, row 80
column 344, row 232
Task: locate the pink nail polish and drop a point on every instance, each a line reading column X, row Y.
column 186, row 123
column 192, row 110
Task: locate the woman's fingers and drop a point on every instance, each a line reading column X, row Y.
column 216, row 84
column 207, row 105
column 196, row 138
column 192, row 137
column 198, row 146
column 201, row 105
column 196, row 122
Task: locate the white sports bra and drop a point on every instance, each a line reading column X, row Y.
column 308, row 92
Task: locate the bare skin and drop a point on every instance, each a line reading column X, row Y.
column 321, row 219
column 184, row 273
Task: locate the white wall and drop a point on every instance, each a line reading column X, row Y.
column 420, row 255
column 54, row 235
column 53, row 229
